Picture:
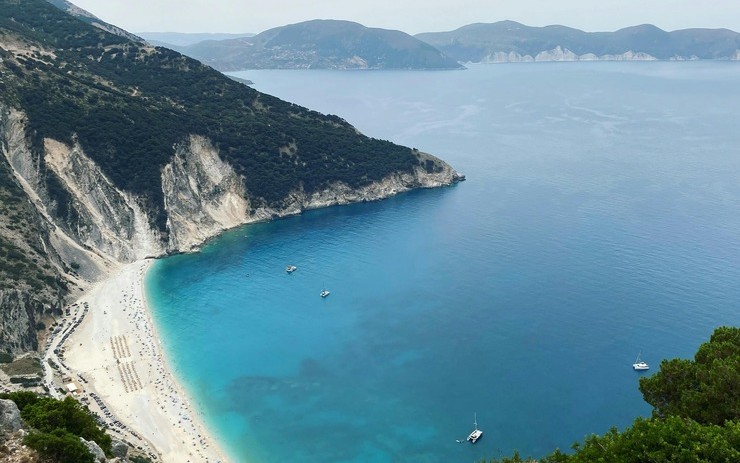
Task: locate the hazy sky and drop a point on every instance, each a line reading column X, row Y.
column 412, row 16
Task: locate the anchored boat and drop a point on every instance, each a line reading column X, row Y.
column 640, row 365
column 477, row 433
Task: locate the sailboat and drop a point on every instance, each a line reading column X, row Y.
column 640, row 365
column 475, row 435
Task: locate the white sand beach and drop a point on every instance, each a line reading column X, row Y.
column 114, row 355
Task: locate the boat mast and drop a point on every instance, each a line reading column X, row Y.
column 475, row 420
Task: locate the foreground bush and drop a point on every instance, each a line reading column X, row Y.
column 57, row 426
column 59, row 446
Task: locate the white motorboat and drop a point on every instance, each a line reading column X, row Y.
column 291, row 268
column 324, row 293
column 477, row 433
column 640, row 365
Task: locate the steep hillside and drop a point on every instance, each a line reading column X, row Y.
column 93, row 20
column 113, row 150
column 511, row 41
column 321, row 44
column 30, row 277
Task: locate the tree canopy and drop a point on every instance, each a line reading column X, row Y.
column 59, row 446
column 669, row 440
column 57, row 426
column 707, row 389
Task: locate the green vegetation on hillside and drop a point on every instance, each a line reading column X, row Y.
column 696, row 418
column 128, row 105
column 57, row 426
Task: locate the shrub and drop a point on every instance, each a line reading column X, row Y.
column 48, row 415
column 59, row 446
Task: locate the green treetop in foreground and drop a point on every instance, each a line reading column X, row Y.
column 707, row 389
column 696, row 413
column 56, row 428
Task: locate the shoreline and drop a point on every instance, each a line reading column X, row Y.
column 116, row 359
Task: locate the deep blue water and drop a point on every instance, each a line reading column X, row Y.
column 601, row 217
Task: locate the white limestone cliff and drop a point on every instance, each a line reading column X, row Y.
column 563, row 54
column 340, row 193
column 203, row 196
column 112, row 221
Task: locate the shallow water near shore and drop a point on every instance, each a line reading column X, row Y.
column 600, row 218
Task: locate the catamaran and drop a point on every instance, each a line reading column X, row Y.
column 475, row 435
column 640, row 365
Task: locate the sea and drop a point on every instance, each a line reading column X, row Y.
column 600, row 220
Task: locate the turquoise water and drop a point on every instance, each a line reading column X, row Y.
column 601, row 217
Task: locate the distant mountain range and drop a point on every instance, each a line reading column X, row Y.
column 183, row 39
column 331, row 44
column 321, row 44
column 508, row 41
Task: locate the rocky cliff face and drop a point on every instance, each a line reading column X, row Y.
column 101, row 231
column 203, row 197
column 563, row 54
column 30, row 264
column 17, row 149
column 340, row 193
column 109, row 221
column 18, row 320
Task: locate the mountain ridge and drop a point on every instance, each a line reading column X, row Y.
column 513, row 41
column 181, row 39
column 321, row 44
